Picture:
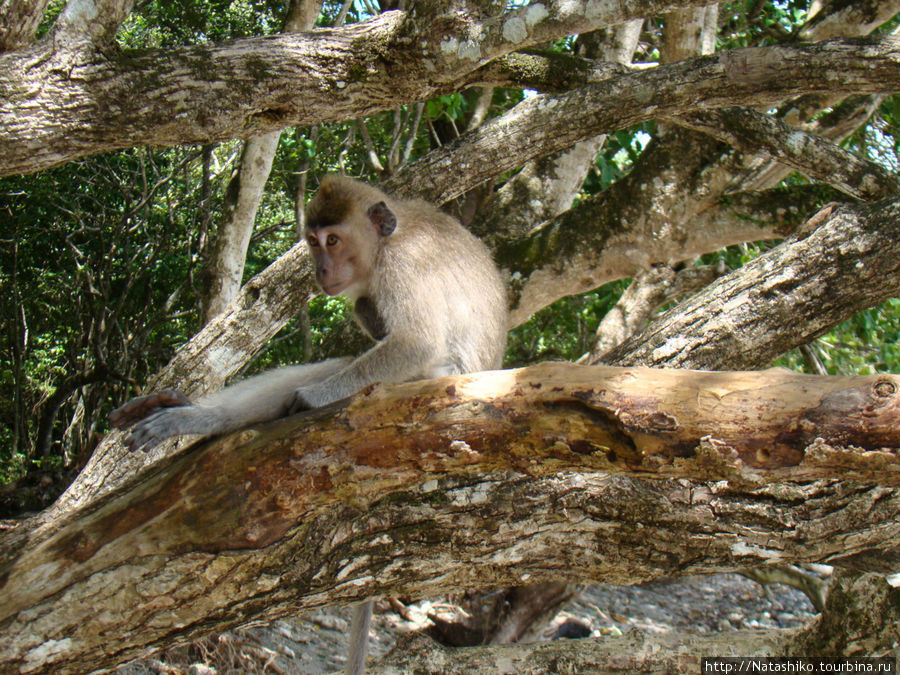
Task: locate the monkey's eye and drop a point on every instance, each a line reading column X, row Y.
column 332, row 240
column 312, row 241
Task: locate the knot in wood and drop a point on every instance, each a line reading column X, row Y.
column 885, row 388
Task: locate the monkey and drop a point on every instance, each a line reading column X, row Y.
column 422, row 286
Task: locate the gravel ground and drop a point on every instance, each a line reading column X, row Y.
column 316, row 643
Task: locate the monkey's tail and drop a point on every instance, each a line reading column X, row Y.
column 359, row 638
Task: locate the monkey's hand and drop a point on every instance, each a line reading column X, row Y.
column 139, row 408
column 148, row 415
column 176, row 421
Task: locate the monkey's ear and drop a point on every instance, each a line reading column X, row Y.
column 382, row 218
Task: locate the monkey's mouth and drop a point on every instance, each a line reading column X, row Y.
column 335, row 287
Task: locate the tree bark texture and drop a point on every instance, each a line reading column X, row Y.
column 396, row 491
column 253, row 86
column 333, row 74
column 845, row 259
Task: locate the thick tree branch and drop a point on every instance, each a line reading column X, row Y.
column 621, row 232
column 19, row 20
column 67, row 100
column 755, row 76
column 215, row 354
column 816, row 157
column 83, row 102
column 263, row 522
column 845, row 259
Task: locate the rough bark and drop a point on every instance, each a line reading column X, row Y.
column 19, row 20
column 845, row 259
column 203, row 93
column 386, row 495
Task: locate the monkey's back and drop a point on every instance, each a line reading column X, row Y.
column 432, row 254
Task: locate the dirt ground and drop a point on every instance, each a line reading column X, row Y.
column 316, row 642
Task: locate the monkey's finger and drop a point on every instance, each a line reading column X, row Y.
column 139, row 408
column 143, row 435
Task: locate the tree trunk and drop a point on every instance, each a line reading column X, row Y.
column 387, row 494
column 226, row 266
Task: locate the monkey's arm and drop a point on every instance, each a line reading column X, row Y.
column 257, row 399
column 394, row 359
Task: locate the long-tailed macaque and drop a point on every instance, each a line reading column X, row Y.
column 424, row 288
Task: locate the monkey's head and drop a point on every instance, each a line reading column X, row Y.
column 345, row 224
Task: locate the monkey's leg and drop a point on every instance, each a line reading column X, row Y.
column 359, row 638
column 263, row 397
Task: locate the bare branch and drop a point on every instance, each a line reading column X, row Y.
column 816, row 157
column 784, row 298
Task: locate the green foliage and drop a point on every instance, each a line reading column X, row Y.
column 92, row 253
column 451, row 106
column 867, row 344
column 564, row 330
column 163, row 23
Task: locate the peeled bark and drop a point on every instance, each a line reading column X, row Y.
column 387, row 494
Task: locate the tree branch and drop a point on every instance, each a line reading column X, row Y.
column 19, row 20
column 754, row 76
column 385, row 494
column 71, row 99
column 348, row 72
column 816, row 157
column 845, row 259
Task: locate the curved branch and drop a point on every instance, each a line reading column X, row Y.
column 757, row 76
column 65, row 99
column 814, row 156
column 84, row 103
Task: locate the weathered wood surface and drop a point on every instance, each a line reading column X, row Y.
column 460, row 482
